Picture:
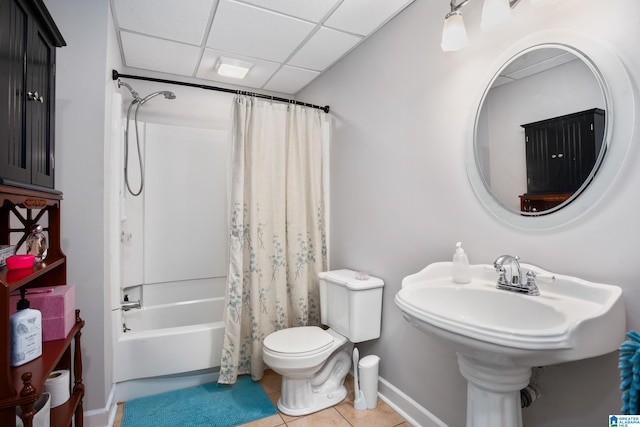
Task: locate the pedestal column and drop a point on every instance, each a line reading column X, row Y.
column 493, row 392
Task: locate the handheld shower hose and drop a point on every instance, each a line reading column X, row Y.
column 138, row 102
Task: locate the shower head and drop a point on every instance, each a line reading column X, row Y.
column 166, row 93
column 169, row 95
column 135, row 94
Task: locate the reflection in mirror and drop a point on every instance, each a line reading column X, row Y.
column 539, row 131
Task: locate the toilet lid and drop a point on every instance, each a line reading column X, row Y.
column 299, row 340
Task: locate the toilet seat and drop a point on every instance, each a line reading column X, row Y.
column 300, row 341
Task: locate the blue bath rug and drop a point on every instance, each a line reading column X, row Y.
column 207, row 405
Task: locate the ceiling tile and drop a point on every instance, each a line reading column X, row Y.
column 257, row 76
column 257, row 33
column 323, row 49
column 158, row 55
column 364, row 16
column 168, row 19
column 290, row 80
column 169, row 36
column 311, row 10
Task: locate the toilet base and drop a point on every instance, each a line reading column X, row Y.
column 302, row 396
column 297, row 403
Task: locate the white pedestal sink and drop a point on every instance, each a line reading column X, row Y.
column 500, row 335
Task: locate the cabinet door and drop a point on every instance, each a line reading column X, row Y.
column 562, row 152
column 567, row 155
column 14, row 150
column 26, row 97
column 552, row 152
column 39, row 105
column 545, row 165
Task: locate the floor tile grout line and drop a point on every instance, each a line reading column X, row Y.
column 345, row 418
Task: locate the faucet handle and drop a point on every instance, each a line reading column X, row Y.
column 502, row 278
column 531, row 283
column 531, row 277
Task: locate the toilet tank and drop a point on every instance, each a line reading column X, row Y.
column 350, row 305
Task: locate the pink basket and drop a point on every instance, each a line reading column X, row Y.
column 15, row 262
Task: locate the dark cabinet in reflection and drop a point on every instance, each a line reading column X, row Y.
column 541, row 202
column 561, row 152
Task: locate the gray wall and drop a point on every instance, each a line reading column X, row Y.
column 401, row 199
column 82, row 127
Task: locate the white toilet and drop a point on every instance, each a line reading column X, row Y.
column 313, row 361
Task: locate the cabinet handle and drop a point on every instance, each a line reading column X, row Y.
column 35, row 96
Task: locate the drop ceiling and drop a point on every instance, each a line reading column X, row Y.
column 289, row 42
column 533, row 62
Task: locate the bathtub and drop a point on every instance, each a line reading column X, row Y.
column 168, row 340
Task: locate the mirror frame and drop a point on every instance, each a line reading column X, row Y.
column 620, row 112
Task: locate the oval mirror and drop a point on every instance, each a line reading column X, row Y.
column 541, row 138
column 540, row 129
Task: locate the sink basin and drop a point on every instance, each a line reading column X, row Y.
column 571, row 319
column 500, row 335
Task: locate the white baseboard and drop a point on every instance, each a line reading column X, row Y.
column 103, row 417
column 411, row 410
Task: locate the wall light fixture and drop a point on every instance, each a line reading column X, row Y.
column 494, row 14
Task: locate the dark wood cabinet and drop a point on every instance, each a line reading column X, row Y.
column 561, row 153
column 23, row 385
column 28, row 42
column 542, row 202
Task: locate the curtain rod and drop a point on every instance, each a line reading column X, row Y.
column 115, row 75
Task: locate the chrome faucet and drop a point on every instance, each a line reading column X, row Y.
column 499, row 263
column 515, row 283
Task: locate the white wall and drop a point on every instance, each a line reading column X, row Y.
column 80, row 136
column 176, row 230
column 185, row 214
column 401, row 198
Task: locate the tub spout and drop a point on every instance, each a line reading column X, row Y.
column 128, row 305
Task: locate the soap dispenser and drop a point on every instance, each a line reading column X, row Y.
column 26, row 332
column 461, row 273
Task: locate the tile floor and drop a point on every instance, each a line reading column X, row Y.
column 341, row 415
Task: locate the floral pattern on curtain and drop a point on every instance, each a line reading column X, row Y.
column 277, row 230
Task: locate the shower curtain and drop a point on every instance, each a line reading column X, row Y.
column 277, row 230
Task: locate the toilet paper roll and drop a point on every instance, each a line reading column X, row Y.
column 58, row 384
column 42, row 418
